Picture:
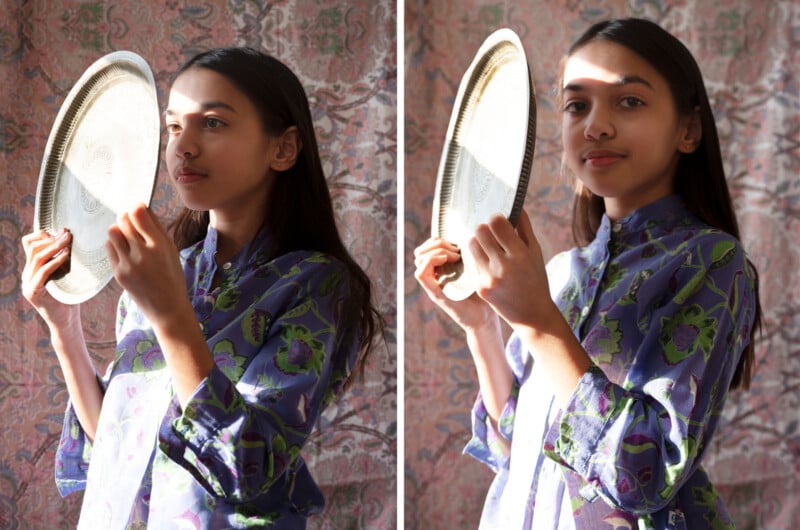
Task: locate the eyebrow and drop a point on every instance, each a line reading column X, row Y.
column 622, row 81
column 208, row 105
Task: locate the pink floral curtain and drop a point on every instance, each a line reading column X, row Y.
column 344, row 52
column 748, row 52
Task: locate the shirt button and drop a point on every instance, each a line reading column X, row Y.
column 226, row 265
column 584, row 311
column 202, row 327
column 616, row 227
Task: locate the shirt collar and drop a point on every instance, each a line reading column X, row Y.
column 250, row 253
column 658, row 216
column 644, row 224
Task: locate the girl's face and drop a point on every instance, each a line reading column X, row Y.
column 218, row 155
column 622, row 135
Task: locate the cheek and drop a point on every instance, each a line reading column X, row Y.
column 169, row 156
column 571, row 139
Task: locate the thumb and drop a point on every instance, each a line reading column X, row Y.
column 524, row 229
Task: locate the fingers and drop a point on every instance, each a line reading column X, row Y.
column 435, row 252
column 133, row 231
column 524, row 229
column 41, row 247
column 434, row 243
column 144, row 222
column 45, row 254
column 493, row 239
column 429, row 258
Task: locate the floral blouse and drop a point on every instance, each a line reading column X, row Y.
column 663, row 305
column 231, row 458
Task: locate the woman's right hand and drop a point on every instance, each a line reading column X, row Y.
column 44, row 254
column 471, row 313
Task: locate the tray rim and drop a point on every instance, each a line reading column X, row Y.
column 68, row 112
column 503, row 36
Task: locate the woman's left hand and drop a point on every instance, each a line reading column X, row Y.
column 511, row 270
column 145, row 262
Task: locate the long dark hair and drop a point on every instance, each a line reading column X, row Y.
column 298, row 214
column 699, row 176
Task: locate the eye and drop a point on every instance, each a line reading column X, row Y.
column 631, row 102
column 173, row 128
column 212, row 122
column 575, row 106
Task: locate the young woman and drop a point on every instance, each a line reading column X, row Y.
column 598, row 412
column 227, row 351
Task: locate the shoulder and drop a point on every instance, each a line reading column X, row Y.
column 306, row 262
column 311, row 271
column 711, row 249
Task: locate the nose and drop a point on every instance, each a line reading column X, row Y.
column 599, row 124
column 185, row 145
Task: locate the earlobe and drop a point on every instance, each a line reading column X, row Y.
column 287, row 149
column 692, row 134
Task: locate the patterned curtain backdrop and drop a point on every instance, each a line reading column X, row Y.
column 344, row 51
column 748, row 53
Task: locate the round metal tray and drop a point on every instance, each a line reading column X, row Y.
column 101, row 159
column 488, row 152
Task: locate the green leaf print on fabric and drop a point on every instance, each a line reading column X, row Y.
column 278, row 444
column 614, row 274
column 300, row 309
column 294, row 271
column 692, row 286
column 329, row 284
column 247, row 520
column 630, row 297
column 227, row 299
column 318, row 258
column 225, row 357
column 637, row 443
column 149, row 357
column 688, row 330
column 722, row 254
column 708, row 496
column 603, row 341
column 301, row 352
column 255, row 323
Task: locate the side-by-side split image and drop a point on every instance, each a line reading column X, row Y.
column 383, row 265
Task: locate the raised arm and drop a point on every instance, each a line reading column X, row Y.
column 44, row 254
column 478, row 320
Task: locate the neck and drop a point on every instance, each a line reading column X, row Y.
column 619, row 207
column 233, row 233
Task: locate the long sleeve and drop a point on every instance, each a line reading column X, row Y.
column 486, row 444
column 636, row 441
column 246, row 423
column 489, row 444
column 72, row 455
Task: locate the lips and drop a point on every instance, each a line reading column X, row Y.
column 187, row 175
column 602, row 157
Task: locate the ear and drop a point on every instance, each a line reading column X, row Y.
column 692, row 133
column 287, row 149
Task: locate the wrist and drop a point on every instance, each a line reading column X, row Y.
column 547, row 322
column 65, row 323
column 179, row 319
column 487, row 329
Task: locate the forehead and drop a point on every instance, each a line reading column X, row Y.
column 197, row 86
column 608, row 62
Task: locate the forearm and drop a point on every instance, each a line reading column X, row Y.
column 494, row 373
column 79, row 372
column 185, row 350
column 557, row 353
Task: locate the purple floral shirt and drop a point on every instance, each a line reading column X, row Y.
column 231, row 459
column 663, row 304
